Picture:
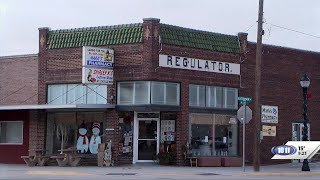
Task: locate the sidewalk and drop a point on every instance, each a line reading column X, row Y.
column 153, row 170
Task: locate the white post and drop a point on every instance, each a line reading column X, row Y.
column 244, row 138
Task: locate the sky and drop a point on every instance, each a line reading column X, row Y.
column 289, row 23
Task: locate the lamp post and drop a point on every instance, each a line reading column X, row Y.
column 305, row 82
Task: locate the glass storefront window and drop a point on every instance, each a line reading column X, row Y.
column 63, row 130
column 197, row 94
column 213, row 135
column 77, row 94
column 141, row 92
column 213, row 97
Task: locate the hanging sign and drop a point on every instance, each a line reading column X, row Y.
column 97, row 76
column 97, row 57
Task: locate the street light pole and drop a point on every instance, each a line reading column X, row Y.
column 305, row 82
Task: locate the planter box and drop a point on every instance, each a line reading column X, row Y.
column 209, row 161
column 231, row 161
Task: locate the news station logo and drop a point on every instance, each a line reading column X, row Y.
column 296, row 150
column 284, row 150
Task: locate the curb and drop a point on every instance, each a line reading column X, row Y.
column 282, row 174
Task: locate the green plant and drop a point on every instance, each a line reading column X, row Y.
column 166, row 157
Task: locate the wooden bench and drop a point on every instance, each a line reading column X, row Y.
column 61, row 160
column 64, row 160
column 42, row 160
column 30, row 160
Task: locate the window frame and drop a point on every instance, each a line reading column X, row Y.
column 21, row 133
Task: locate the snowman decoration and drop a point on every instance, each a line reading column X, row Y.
column 83, row 141
column 95, row 138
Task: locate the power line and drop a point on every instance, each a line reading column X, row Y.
column 97, row 92
column 250, row 27
column 29, row 98
column 293, row 30
column 87, row 93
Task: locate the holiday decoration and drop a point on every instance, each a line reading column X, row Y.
column 95, row 138
column 83, row 141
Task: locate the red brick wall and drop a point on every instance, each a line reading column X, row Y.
column 149, row 69
column 282, row 69
column 65, row 66
column 13, row 153
column 19, row 80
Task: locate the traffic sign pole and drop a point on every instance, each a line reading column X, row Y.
column 244, row 138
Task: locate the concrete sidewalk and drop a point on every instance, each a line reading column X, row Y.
column 147, row 171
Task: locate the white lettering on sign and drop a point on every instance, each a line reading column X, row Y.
column 198, row 64
column 269, row 114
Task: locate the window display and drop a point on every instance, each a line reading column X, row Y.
column 213, row 135
column 81, row 130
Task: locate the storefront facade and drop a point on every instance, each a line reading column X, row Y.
column 171, row 87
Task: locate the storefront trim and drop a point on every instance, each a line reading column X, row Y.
column 58, row 106
column 212, row 110
column 148, row 108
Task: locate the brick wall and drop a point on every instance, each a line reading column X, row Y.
column 57, row 66
column 281, row 71
column 149, row 70
column 19, row 77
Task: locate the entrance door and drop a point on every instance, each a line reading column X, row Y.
column 146, row 145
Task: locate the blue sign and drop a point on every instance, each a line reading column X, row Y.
column 99, row 63
column 284, row 150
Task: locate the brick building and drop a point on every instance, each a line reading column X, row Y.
column 18, row 86
column 171, row 85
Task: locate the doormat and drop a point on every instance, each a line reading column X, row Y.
column 121, row 174
column 208, row 174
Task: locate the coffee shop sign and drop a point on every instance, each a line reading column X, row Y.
column 269, row 114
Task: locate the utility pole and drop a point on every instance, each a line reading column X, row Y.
column 257, row 105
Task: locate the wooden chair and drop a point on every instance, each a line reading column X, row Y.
column 188, row 156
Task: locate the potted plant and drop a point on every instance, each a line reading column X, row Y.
column 166, row 158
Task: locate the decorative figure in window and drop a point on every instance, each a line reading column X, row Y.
column 90, row 78
column 95, row 138
column 83, row 141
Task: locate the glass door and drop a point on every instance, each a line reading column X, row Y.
column 147, row 142
column 146, row 139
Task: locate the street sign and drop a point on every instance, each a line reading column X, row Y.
column 241, row 113
column 244, row 100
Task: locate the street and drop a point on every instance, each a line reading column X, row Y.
column 151, row 171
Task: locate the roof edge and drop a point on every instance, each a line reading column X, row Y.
column 18, row 56
column 95, row 28
column 196, row 30
column 288, row 48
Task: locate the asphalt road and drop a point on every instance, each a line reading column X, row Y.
column 282, row 172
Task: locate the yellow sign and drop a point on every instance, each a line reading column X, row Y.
column 269, row 130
